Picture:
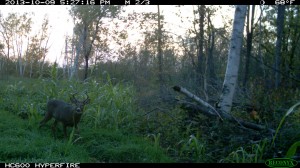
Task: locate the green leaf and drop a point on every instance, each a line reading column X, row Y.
column 292, row 150
column 292, row 109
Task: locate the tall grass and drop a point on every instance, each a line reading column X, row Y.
column 112, row 106
column 107, row 123
column 290, row 111
column 254, row 154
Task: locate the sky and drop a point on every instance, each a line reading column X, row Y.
column 61, row 22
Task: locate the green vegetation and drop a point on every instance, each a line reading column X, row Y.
column 128, row 63
column 106, row 134
column 113, row 129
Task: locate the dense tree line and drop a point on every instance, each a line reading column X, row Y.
column 269, row 57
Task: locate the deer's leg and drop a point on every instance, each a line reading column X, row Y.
column 45, row 120
column 54, row 128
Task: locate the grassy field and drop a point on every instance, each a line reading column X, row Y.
column 105, row 129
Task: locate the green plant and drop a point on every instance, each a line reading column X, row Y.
column 108, row 135
column 53, row 71
column 69, row 143
column 112, row 107
column 259, row 150
column 33, row 114
column 291, row 109
column 156, row 139
column 292, row 150
column 194, row 149
column 254, row 154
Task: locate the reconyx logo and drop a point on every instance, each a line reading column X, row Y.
column 281, row 162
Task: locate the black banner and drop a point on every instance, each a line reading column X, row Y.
column 129, row 165
column 149, row 2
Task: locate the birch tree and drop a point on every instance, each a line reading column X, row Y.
column 15, row 31
column 233, row 61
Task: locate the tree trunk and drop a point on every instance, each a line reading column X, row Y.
column 65, row 58
column 280, row 21
column 70, row 69
column 74, row 72
column 20, row 65
column 210, row 56
column 259, row 48
column 88, row 48
column 233, row 62
column 30, row 73
column 84, row 48
column 201, row 10
column 249, row 44
column 7, row 59
column 159, row 54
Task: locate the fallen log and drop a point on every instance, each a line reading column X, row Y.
column 209, row 110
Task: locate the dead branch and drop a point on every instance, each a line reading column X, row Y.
column 197, row 99
column 209, row 110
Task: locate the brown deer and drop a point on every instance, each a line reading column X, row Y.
column 69, row 115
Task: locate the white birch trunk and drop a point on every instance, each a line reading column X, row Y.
column 233, row 62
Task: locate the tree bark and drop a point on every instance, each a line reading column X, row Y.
column 249, row 43
column 233, row 62
column 280, row 21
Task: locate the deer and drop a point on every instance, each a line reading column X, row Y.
column 68, row 114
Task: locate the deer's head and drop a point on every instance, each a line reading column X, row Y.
column 79, row 105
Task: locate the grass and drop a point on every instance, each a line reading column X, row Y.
column 119, row 147
column 113, row 129
column 21, row 143
column 22, row 105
